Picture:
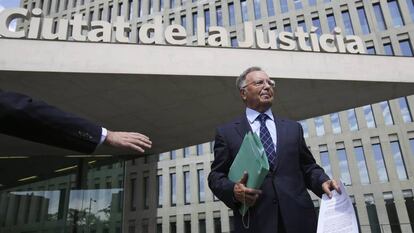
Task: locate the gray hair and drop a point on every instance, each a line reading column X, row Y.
column 241, row 80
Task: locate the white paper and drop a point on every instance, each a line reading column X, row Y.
column 337, row 215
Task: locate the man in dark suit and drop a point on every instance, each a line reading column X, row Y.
column 23, row 117
column 282, row 205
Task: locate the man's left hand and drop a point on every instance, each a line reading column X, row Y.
column 329, row 185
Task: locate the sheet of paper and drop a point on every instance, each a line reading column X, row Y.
column 337, row 215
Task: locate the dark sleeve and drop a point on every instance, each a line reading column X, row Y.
column 24, row 117
column 314, row 175
column 218, row 181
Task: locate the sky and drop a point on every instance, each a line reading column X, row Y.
column 9, row 4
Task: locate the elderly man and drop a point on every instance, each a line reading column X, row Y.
column 282, row 204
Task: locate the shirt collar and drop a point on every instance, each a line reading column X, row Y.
column 253, row 114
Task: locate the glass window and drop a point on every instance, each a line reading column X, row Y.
column 371, row 50
column 284, row 6
column 379, row 162
column 302, row 24
column 287, row 27
column 336, row 125
column 369, row 117
column 412, row 145
column 388, row 49
column 347, row 23
column 173, row 185
column 187, row 189
column 379, row 17
column 173, row 154
column 186, row 152
column 146, row 192
column 232, row 19
column 410, row 4
column 352, row 120
column 317, row 23
column 173, row 227
column 386, row 113
column 159, row 190
column 312, row 2
column 194, row 15
column 398, row 160
column 211, row 147
column 233, row 41
column 331, row 22
column 207, row 19
column 132, row 194
column 201, row 190
column 200, row 149
column 270, row 8
column 187, row 226
column 219, row 16
column 343, row 166
column 325, row 163
column 243, row 4
column 298, row 4
column 257, row 13
column 392, row 212
column 217, row 225
column 172, row 4
column 405, row 48
column 372, row 213
column 320, row 130
column 395, row 13
column 184, row 21
column 202, row 226
column 362, row 166
column 409, row 204
column 161, row 5
column 305, row 128
column 150, row 6
column 363, row 20
column 405, row 110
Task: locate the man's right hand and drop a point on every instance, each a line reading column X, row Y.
column 244, row 194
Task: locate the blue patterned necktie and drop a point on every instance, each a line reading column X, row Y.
column 267, row 139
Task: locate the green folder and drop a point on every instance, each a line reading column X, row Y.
column 251, row 158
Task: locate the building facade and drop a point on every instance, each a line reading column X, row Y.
column 370, row 148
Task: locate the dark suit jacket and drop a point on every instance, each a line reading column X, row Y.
column 285, row 188
column 33, row 120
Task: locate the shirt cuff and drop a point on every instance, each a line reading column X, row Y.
column 103, row 135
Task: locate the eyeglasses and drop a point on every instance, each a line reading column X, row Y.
column 261, row 83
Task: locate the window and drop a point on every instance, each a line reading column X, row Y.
column 369, row 117
column 336, row 125
column 343, row 166
column 320, row 130
column 312, row 2
column 173, row 190
column 410, row 5
column 186, row 152
column 317, row 23
column 173, row 154
column 392, row 212
column 132, row 195
column 161, row 9
column 233, row 41
column 363, row 20
column 395, row 13
column 287, row 27
column 305, row 128
column 405, row 48
column 201, row 191
column 159, row 191
column 172, row 4
column 325, row 162
column 211, row 147
column 298, row 4
column 183, row 21
column 331, row 22
column 352, row 120
column 412, row 145
column 150, row 6
column 362, row 166
column 372, row 213
column 398, row 160
column 243, row 4
column 202, row 226
column 347, row 23
column 270, row 8
column 207, row 19
column 388, row 49
column 379, row 17
column 302, row 24
column 173, row 227
column 257, row 13
column 409, row 204
column 284, row 6
column 200, row 149
column 386, row 113
column 405, row 110
column 187, row 188
column 217, row 224
column 232, row 19
column 146, row 192
column 194, row 14
column 379, row 162
column 187, row 223
column 371, row 50
column 219, row 16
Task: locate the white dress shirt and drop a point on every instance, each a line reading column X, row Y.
column 255, row 123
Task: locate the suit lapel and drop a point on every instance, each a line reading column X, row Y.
column 242, row 126
column 280, row 132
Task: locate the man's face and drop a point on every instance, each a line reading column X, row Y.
column 257, row 93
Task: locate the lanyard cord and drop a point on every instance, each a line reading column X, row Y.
column 245, row 225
